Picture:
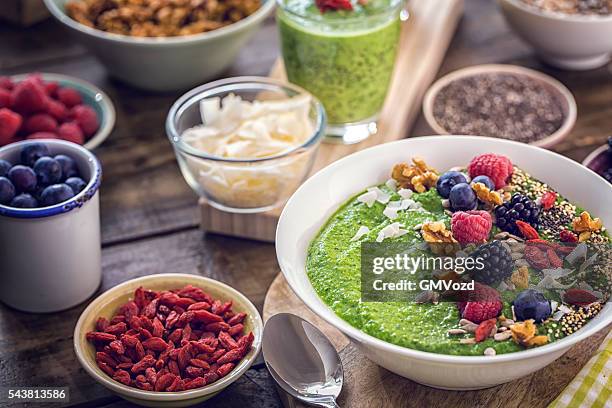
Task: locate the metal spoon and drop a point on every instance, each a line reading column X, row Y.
column 302, row 360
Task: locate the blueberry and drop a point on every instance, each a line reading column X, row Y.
column 48, row 171
column 462, row 197
column 484, row 180
column 55, row 194
column 24, row 201
column 23, row 178
column 7, row 190
column 32, row 152
column 76, row 184
column 448, row 180
column 69, row 166
column 531, row 304
column 4, row 168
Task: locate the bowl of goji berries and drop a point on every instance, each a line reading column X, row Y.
column 54, row 106
column 168, row 339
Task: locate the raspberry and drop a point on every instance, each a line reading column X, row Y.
column 69, row 97
column 548, row 200
column 471, row 226
column 10, row 122
column 6, row 83
column 57, row 110
column 41, row 122
column 71, row 132
column 43, row 135
column 483, row 303
column 5, row 98
column 498, row 168
column 51, row 88
column 86, row 118
column 30, row 97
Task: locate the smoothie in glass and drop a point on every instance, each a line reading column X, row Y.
column 344, row 57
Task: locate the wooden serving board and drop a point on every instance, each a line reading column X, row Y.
column 367, row 385
column 424, row 40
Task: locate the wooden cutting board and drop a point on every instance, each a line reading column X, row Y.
column 367, row 385
column 424, row 40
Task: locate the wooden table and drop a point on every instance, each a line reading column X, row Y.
column 149, row 214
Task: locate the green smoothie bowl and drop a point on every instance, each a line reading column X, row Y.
column 529, row 271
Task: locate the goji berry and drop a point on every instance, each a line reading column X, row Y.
column 484, row 329
column 536, row 257
column 568, row 236
column 554, row 259
column 548, row 200
column 527, row 231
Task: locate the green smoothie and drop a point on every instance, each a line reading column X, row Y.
column 345, row 58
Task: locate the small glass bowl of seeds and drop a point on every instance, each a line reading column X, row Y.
column 501, row 101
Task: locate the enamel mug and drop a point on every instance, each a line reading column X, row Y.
column 50, row 257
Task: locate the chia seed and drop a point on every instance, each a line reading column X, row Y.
column 601, row 7
column 507, row 106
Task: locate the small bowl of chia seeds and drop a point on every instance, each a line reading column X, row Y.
column 502, row 101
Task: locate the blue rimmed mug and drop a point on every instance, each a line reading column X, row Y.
column 50, row 257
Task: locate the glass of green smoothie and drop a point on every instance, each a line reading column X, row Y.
column 344, row 56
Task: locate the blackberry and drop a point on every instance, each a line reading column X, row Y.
column 521, row 208
column 492, row 263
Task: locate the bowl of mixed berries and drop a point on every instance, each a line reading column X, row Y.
column 49, row 224
column 53, row 106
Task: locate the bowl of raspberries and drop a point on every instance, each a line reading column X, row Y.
column 600, row 160
column 168, row 339
column 53, row 106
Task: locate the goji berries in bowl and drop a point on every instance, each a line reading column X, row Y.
column 54, row 106
column 169, row 339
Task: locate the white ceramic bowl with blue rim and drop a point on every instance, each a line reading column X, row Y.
column 92, row 96
column 165, row 63
column 51, row 256
column 322, row 194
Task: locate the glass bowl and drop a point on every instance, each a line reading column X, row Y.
column 242, row 185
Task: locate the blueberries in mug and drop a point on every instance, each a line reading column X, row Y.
column 48, row 171
column 4, row 167
column 7, row 190
column 32, row 152
column 76, row 184
column 55, row 194
column 24, row 201
column 23, row 178
column 69, row 167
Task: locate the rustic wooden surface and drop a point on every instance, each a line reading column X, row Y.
column 425, row 37
column 150, row 218
column 368, row 385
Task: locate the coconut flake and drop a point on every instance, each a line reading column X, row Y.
column 557, row 273
column 405, row 193
column 557, row 315
column 580, row 252
column 390, row 212
column 363, row 230
column 381, row 196
column 588, row 262
column 548, row 282
column 392, row 184
column 368, row 198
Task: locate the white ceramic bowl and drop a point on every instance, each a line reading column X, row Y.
column 574, row 42
column 165, row 63
column 107, row 304
column 563, row 95
column 321, row 195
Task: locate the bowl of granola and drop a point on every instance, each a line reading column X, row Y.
column 519, row 225
column 569, row 34
column 162, row 46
